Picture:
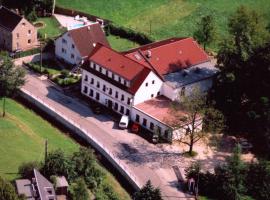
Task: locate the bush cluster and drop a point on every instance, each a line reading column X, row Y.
column 128, row 33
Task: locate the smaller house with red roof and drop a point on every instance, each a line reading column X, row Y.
column 142, row 83
column 76, row 44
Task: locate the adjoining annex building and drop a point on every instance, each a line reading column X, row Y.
column 143, row 82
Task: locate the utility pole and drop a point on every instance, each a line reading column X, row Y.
column 46, row 151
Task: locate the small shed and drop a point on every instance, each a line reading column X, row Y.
column 61, row 185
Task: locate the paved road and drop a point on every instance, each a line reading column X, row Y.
column 145, row 160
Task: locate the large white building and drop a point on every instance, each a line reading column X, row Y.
column 143, row 82
column 75, row 45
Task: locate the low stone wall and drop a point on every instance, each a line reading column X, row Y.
column 82, row 133
column 32, row 58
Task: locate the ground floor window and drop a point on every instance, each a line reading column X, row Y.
column 122, row 109
column 97, row 96
column 151, row 126
column 85, row 89
column 116, row 106
column 137, row 118
column 144, row 122
column 91, row 93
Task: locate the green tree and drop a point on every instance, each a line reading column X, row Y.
column 26, row 169
column 78, row 190
column 148, row 192
column 32, row 16
column 258, row 180
column 7, row 191
column 206, row 32
column 85, row 165
column 196, row 111
column 58, row 164
column 11, row 79
column 231, row 177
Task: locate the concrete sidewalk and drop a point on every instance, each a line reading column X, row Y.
column 142, row 159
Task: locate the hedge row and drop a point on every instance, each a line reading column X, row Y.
column 128, row 33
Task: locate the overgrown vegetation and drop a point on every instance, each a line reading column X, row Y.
column 241, row 91
column 81, row 169
column 234, row 180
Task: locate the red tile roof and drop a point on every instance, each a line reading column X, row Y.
column 119, row 64
column 169, row 55
column 85, row 37
column 161, row 109
column 116, row 62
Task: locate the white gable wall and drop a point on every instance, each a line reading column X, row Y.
column 68, row 50
column 144, row 92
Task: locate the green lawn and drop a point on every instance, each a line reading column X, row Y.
column 121, row 44
column 168, row 18
column 51, row 28
column 23, row 135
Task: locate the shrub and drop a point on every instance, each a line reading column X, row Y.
column 26, row 169
column 128, row 33
column 65, row 73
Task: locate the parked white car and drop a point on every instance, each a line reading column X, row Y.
column 124, row 122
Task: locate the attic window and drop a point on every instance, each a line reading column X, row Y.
column 23, row 24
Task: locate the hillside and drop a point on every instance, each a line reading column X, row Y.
column 168, row 18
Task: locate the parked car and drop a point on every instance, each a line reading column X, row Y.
column 155, row 139
column 123, row 124
column 135, row 128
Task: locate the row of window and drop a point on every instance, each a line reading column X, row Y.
column 72, row 56
column 144, row 123
column 107, row 89
column 107, row 72
column 114, row 105
column 146, row 84
column 29, row 33
column 64, row 41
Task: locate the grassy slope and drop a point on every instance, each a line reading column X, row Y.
column 23, row 134
column 169, row 18
column 22, row 138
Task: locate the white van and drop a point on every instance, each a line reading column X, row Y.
column 124, row 122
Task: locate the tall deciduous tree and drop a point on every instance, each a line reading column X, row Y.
column 197, row 110
column 206, row 32
column 148, row 192
column 11, row 78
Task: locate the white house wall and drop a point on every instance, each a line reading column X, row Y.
column 66, row 56
column 105, row 96
column 144, row 92
column 173, row 94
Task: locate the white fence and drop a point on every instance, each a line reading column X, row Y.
column 97, row 144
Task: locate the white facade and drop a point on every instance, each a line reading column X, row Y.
column 66, row 50
column 175, row 93
column 106, row 93
column 150, row 88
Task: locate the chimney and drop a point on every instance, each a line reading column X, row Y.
column 148, row 54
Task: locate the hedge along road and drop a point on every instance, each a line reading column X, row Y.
column 140, row 159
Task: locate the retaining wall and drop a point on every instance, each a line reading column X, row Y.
column 82, row 133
